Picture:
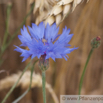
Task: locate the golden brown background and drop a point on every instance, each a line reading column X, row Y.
column 86, row 22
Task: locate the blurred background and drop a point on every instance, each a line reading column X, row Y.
column 86, row 23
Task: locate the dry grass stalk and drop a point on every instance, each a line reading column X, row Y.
column 51, row 11
column 25, row 81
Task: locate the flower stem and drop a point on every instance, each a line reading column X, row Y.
column 43, row 86
column 6, row 31
column 13, row 87
column 18, row 99
column 83, row 73
column 13, row 36
column 7, row 23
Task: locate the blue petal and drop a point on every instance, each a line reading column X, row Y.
column 51, row 32
column 25, row 53
column 47, row 32
column 37, row 32
column 33, row 56
column 33, row 34
column 69, row 50
column 25, row 37
column 42, row 29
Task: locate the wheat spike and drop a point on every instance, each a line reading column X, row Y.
column 51, row 11
column 25, row 81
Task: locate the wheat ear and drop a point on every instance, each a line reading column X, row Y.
column 25, row 81
column 51, row 11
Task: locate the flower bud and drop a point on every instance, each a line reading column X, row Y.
column 43, row 63
column 96, row 42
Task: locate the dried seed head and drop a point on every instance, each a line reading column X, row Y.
column 58, row 19
column 50, row 20
column 56, row 10
column 51, row 11
column 64, row 2
column 66, row 9
column 42, row 5
column 75, row 3
column 41, row 17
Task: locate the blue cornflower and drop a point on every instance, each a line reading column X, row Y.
column 43, row 41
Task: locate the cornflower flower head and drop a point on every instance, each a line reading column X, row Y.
column 42, row 42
